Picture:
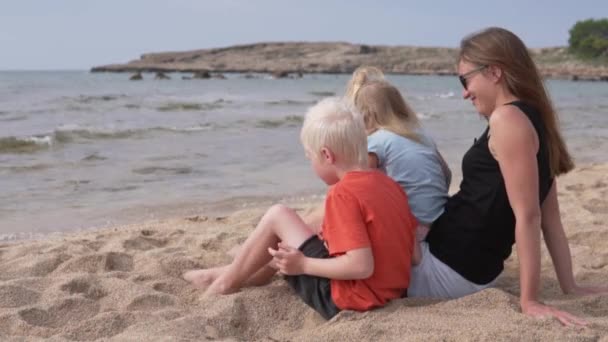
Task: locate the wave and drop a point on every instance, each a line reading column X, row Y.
column 448, row 95
column 73, row 133
column 93, row 157
column 121, row 188
column 162, row 170
column 191, row 106
column 14, row 118
column 26, row 168
column 445, row 95
column 86, row 99
column 322, row 93
column 289, row 102
column 25, row 145
column 425, row 116
column 70, row 134
column 289, row 121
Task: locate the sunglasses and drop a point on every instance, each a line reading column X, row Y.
column 463, row 77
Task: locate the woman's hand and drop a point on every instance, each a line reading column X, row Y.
column 536, row 309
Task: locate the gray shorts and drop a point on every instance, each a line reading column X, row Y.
column 432, row 278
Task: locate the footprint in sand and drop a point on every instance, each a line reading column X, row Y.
column 597, row 239
column 61, row 313
column 32, row 265
column 151, row 302
column 215, row 243
column 597, row 263
column 597, row 206
column 16, row 296
column 174, row 266
column 87, row 287
column 576, row 187
column 147, row 232
column 596, row 307
column 143, row 243
column 94, row 245
column 102, row 326
column 47, row 264
column 94, row 263
column 169, row 288
column 600, row 184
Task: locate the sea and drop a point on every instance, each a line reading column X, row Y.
column 81, row 150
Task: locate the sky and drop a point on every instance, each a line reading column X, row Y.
column 80, row 34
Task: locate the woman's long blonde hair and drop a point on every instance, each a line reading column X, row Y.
column 499, row 47
column 361, row 75
column 383, row 107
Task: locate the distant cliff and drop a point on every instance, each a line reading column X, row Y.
column 303, row 57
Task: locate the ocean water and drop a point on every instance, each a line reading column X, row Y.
column 82, row 150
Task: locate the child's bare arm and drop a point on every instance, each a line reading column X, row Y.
column 354, row 264
column 372, row 160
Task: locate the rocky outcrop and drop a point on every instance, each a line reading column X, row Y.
column 136, row 77
column 161, row 76
column 292, row 59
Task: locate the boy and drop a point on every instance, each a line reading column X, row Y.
column 364, row 258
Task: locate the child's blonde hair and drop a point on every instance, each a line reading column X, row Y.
column 336, row 125
column 383, row 107
column 361, row 75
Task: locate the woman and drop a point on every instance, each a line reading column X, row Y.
column 508, row 193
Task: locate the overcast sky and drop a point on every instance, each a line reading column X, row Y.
column 79, row 34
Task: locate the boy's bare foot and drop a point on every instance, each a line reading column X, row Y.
column 219, row 287
column 202, row 278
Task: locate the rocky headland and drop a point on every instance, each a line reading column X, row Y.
column 296, row 58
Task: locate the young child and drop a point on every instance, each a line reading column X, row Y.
column 361, row 260
column 361, row 75
column 400, row 148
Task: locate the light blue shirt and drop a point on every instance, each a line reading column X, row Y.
column 416, row 167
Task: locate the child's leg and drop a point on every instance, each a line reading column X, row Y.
column 278, row 224
column 202, row 278
column 313, row 218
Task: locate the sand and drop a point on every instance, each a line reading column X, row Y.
column 124, row 284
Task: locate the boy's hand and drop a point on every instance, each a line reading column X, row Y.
column 288, row 260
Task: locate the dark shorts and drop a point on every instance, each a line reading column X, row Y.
column 315, row 291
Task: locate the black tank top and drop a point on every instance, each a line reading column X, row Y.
column 475, row 233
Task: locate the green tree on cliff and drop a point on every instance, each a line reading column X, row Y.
column 589, row 38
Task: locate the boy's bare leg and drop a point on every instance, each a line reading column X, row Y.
column 313, row 218
column 202, row 278
column 278, row 224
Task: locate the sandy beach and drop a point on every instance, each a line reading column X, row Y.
column 123, row 284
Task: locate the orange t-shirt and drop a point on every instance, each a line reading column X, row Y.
column 368, row 209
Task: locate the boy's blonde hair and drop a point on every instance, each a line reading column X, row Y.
column 383, row 107
column 361, row 75
column 336, row 125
